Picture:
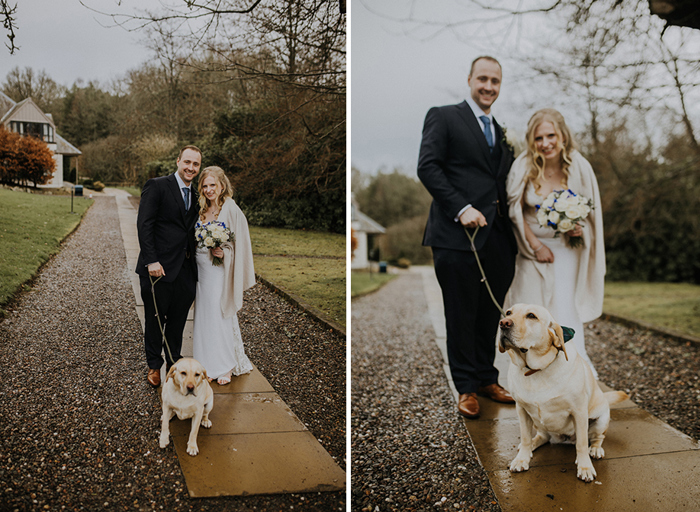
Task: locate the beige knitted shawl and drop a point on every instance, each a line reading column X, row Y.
column 534, row 281
column 239, row 273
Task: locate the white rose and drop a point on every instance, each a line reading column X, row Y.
column 549, row 202
column 209, row 242
column 566, row 225
column 575, row 212
column 542, row 217
column 553, row 217
column 562, row 204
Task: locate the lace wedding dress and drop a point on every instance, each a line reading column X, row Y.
column 566, row 262
column 217, row 340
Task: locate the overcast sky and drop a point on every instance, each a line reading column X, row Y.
column 69, row 41
column 399, row 70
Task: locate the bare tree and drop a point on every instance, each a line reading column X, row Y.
column 7, row 12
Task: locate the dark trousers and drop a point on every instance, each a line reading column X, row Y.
column 470, row 315
column 174, row 300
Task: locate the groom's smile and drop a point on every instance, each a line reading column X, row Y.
column 485, row 83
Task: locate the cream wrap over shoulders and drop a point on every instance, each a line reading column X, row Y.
column 534, row 281
column 239, row 272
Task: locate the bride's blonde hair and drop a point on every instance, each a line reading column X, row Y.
column 226, row 189
column 535, row 159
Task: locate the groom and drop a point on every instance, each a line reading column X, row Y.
column 463, row 163
column 166, row 218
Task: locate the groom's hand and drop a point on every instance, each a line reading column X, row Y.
column 472, row 218
column 156, row 269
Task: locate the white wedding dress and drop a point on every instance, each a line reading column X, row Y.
column 217, row 340
column 566, row 262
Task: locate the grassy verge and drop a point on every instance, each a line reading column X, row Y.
column 674, row 306
column 32, row 227
column 362, row 283
column 308, row 264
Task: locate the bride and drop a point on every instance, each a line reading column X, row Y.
column 217, row 336
column 568, row 281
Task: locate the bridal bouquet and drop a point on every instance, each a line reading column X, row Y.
column 562, row 210
column 213, row 234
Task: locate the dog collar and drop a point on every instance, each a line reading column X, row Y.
column 530, row 371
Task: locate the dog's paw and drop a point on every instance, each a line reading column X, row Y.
column 586, row 473
column 206, row 423
column 192, row 449
column 596, row 452
column 164, row 441
column 519, row 464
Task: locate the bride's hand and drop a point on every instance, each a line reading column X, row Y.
column 217, row 252
column 577, row 231
column 544, row 254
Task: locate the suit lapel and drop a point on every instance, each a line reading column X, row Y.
column 177, row 194
column 478, row 135
column 503, row 162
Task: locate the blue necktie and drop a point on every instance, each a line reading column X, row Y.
column 186, row 191
column 487, row 131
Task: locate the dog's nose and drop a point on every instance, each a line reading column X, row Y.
column 190, row 389
column 506, row 323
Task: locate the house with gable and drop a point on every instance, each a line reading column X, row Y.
column 27, row 119
column 366, row 231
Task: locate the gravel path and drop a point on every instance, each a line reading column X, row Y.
column 79, row 424
column 410, row 450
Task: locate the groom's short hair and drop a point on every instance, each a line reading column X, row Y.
column 193, row 148
column 484, row 57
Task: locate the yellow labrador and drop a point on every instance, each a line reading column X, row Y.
column 187, row 393
column 554, row 389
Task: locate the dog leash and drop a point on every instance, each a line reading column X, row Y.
column 481, row 269
column 160, row 324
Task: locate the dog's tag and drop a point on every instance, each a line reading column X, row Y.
column 568, row 333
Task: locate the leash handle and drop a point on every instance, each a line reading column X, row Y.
column 481, row 269
column 160, row 324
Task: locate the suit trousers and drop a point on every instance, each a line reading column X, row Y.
column 174, row 300
column 470, row 315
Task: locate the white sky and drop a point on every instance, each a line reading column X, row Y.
column 400, row 69
column 69, row 41
column 397, row 74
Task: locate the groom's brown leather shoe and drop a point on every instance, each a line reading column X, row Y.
column 153, row 377
column 468, row 405
column 496, row 393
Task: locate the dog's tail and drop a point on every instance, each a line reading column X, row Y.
column 615, row 397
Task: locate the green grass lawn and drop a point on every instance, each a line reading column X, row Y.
column 292, row 242
column 674, row 306
column 362, row 282
column 134, row 191
column 310, row 265
column 32, row 227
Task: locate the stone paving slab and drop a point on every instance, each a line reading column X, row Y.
column 648, row 464
column 244, row 464
column 256, row 444
column 668, row 482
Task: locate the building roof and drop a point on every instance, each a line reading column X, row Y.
column 8, row 106
column 362, row 222
column 63, row 147
column 6, row 103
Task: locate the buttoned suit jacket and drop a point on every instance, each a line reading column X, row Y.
column 457, row 168
column 165, row 230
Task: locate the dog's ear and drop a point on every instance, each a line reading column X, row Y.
column 171, row 372
column 556, row 336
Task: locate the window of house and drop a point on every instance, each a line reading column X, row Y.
column 43, row 131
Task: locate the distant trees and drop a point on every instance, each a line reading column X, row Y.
column 400, row 203
column 24, row 160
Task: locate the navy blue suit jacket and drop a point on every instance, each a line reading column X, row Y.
column 165, row 230
column 457, row 168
